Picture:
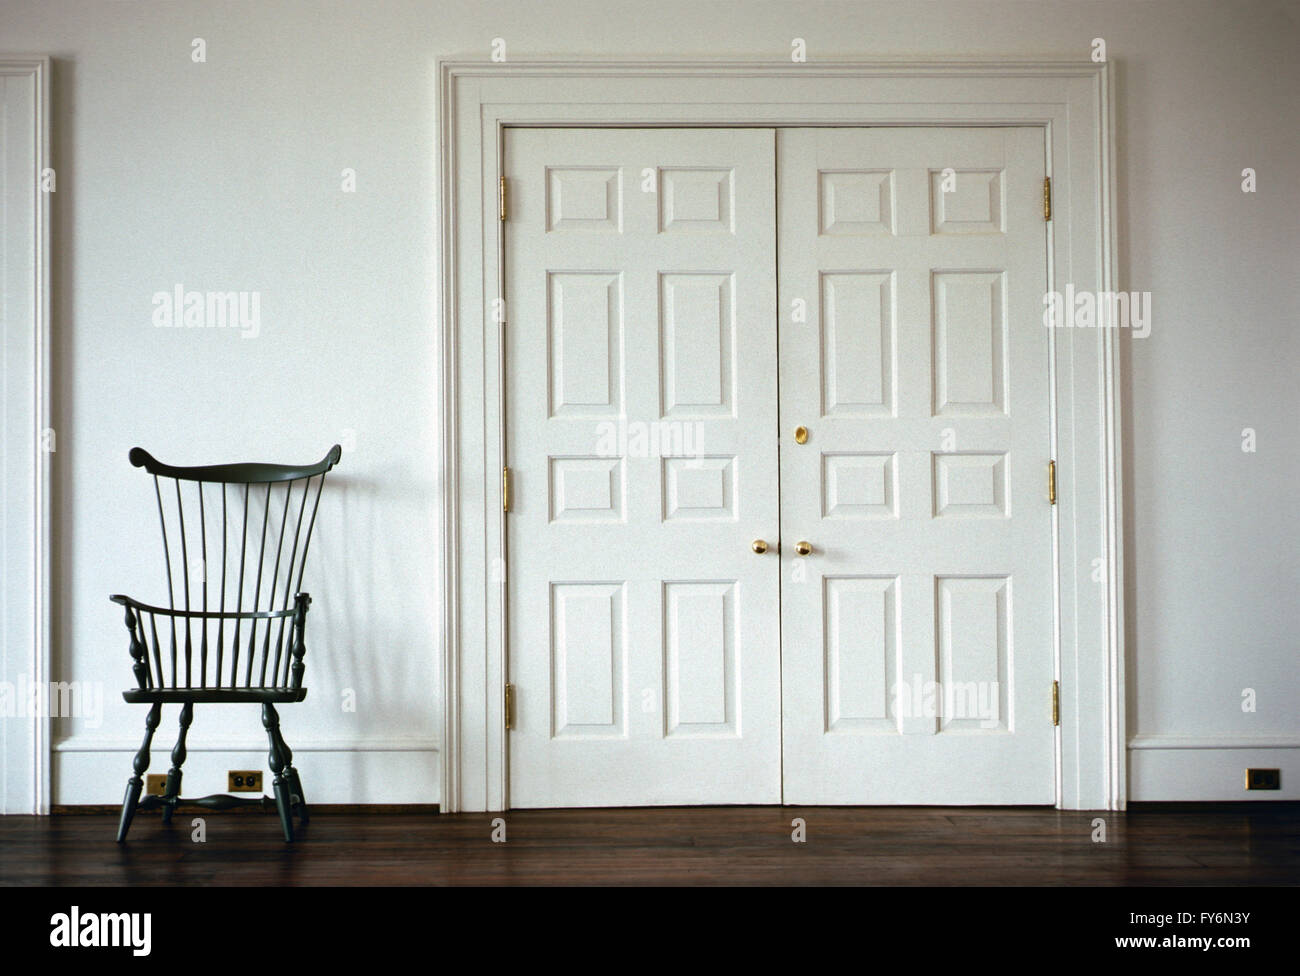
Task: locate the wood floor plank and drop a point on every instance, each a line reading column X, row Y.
column 1257, row 844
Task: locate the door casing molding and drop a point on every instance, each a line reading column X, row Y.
column 25, row 764
column 1072, row 101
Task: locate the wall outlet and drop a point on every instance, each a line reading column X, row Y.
column 1263, row 779
column 155, row 784
column 244, row 781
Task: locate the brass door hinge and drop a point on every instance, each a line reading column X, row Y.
column 1056, row 703
column 1051, row 482
column 1047, row 198
column 505, row 489
column 503, row 198
column 510, row 707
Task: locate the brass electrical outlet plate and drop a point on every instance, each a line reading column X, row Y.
column 244, row 781
column 155, row 784
column 1263, row 779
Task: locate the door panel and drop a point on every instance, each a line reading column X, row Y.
column 641, row 420
column 918, row 634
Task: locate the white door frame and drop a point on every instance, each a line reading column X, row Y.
column 25, row 525
column 1071, row 100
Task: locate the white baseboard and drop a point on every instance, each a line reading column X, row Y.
column 255, row 743
column 1210, row 767
column 96, row 773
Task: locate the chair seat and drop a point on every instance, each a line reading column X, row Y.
column 182, row 695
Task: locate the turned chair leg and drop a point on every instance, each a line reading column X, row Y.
column 136, row 783
column 178, row 760
column 283, row 797
column 297, row 799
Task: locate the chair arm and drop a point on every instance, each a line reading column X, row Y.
column 139, row 607
column 135, row 624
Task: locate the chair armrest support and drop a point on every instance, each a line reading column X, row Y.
column 301, row 602
column 138, row 648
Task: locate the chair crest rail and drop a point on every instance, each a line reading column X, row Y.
column 244, row 472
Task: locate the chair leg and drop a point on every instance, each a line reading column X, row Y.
column 141, row 765
column 178, row 760
column 291, row 776
column 283, row 799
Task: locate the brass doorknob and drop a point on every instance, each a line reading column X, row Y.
column 801, row 435
column 803, row 548
column 759, row 546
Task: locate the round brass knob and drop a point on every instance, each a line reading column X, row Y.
column 801, row 435
column 759, row 546
column 803, row 548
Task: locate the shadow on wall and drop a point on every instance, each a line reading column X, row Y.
column 371, row 647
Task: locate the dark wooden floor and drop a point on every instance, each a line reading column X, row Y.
column 1241, row 844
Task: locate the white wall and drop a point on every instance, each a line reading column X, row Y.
column 226, row 176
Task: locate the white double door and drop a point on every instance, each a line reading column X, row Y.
column 826, row 340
